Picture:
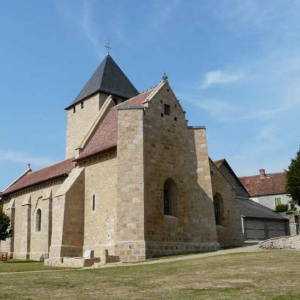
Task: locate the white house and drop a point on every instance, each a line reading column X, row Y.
column 267, row 189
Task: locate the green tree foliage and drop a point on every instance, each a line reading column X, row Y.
column 293, row 179
column 292, row 207
column 282, row 207
column 5, row 231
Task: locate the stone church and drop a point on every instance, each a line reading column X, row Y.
column 136, row 182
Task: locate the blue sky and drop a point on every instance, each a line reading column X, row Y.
column 234, row 65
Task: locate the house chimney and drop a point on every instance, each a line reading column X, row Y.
column 262, row 173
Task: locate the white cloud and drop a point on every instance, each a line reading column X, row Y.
column 225, row 110
column 24, row 158
column 219, row 77
column 266, row 114
column 220, row 110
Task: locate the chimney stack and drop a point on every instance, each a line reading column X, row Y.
column 262, row 173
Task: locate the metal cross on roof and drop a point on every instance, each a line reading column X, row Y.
column 165, row 77
column 107, row 47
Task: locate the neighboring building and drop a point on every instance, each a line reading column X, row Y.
column 258, row 221
column 136, row 181
column 267, row 189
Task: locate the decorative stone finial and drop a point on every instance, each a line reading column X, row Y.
column 107, row 47
column 165, row 77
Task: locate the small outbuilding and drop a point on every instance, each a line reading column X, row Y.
column 258, row 222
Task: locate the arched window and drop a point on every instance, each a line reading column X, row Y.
column 170, row 198
column 94, row 203
column 218, row 206
column 38, row 220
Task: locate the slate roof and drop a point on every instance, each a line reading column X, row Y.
column 219, row 163
column 251, row 209
column 108, row 78
column 106, row 135
column 272, row 184
column 33, row 178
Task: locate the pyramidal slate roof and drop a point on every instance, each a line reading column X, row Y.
column 108, row 78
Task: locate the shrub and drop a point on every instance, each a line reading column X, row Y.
column 282, row 207
column 5, row 231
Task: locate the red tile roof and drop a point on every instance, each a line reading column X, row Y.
column 105, row 137
column 271, row 184
column 43, row 175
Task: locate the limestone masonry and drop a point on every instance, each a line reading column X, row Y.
column 136, row 183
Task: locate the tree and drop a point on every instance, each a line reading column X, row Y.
column 293, row 179
column 5, row 230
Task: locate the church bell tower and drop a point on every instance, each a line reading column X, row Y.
column 107, row 80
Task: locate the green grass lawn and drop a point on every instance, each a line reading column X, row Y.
column 17, row 265
column 257, row 275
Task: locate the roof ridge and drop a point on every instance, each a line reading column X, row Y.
column 149, row 90
column 252, row 176
column 50, row 166
column 56, row 170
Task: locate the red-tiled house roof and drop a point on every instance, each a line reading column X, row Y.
column 33, row 178
column 105, row 137
column 270, row 184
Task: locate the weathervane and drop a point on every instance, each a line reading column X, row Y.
column 107, row 47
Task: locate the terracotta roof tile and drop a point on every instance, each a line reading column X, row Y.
column 33, row 178
column 271, row 184
column 106, row 135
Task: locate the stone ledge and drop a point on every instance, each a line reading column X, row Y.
column 196, row 127
column 173, row 248
column 71, row 262
column 129, row 107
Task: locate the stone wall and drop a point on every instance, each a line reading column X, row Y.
column 27, row 242
column 239, row 190
column 172, row 151
column 130, row 236
column 230, row 230
column 68, row 217
column 101, row 182
column 80, row 121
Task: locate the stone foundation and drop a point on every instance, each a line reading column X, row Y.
column 131, row 251
column 37, row 256
column 71, row 262
column 82, row 262
column 155, row 249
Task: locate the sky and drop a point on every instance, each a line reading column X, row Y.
column 234, row 65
